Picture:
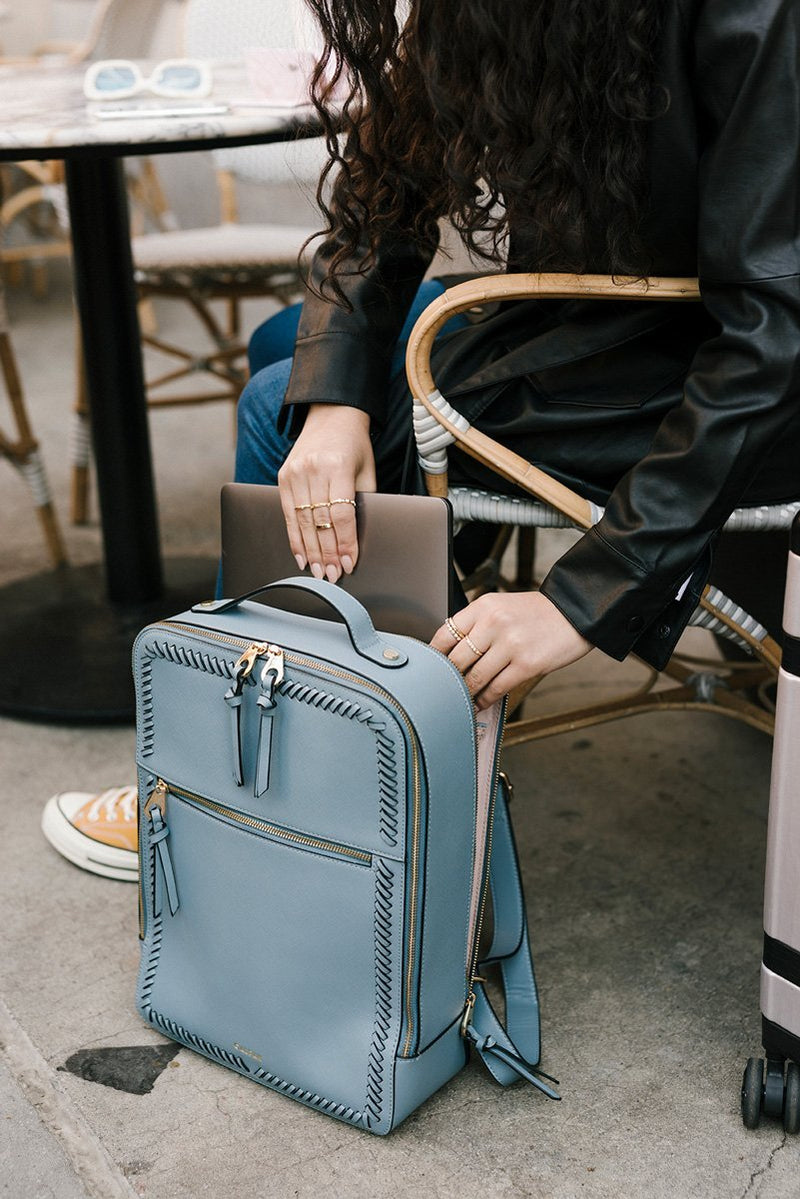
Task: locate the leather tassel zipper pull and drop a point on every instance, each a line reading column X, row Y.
column 271, row 678
column 233, row 698
column 487, row 1046
column 164, row 878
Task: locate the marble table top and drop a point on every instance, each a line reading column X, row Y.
column 43, row 108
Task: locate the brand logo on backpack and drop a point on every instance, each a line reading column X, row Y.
column 247, row 1052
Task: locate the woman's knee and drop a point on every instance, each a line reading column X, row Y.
column 263, row 395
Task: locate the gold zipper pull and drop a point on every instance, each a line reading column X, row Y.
column 273, row 665
column 248, row 658
column 466, row 1019
column 157, row 799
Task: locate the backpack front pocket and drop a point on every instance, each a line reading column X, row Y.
column 277, row 953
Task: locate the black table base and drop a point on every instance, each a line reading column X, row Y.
column 65, row 651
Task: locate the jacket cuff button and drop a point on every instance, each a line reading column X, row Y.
column 664, row 631
column 635, row 624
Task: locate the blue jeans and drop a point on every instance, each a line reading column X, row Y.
column 260, row 448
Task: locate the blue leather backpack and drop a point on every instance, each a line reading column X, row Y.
column 318, row 810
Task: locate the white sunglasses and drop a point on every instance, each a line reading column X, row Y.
column 119, row 78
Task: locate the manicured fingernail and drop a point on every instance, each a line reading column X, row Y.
column 333, row 573
column 316, row 570
column 300, row 560
column 347, row 563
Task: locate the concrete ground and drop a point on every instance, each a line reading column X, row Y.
column 642, row 848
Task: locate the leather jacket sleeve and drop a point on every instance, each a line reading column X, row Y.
column 343, row 357
column 618, row 584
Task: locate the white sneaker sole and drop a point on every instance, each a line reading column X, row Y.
column 108, row 860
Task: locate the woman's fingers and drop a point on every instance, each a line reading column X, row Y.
column 293, row 528
column 479, row 661
column 305, row 515
column 343, row 517
column 499, row 642
column 500, row 685
column 330, row 459
column 336, row 527
column 321, row 528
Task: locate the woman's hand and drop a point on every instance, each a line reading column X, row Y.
column 502, row 641
column 331, row 460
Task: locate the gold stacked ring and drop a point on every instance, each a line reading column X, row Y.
column 477, row 652
column 454, row 629
column 325, row 524
column 342, row 501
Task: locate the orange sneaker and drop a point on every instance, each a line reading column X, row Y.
column 96, row 832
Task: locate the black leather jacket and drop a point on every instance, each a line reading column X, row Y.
column 709, row 393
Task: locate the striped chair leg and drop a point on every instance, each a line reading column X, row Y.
column 80, row 448
column 32, row 470
column 24, row 454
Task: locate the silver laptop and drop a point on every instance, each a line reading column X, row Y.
column 403, row 574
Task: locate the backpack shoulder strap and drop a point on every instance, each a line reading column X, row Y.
column 512, row 1051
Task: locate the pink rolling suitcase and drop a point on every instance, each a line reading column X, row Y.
column 774, row 1087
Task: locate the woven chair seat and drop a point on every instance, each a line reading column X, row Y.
column 225, row 250
column 470, row 504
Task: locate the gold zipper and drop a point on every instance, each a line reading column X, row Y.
column 199, row 631
column 472, row 976
column 263, row 826
column 248, row 658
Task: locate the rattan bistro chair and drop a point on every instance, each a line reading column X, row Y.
column 725, row 687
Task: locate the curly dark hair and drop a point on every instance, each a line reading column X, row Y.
column 528, row 115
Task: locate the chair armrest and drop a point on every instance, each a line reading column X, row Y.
column 430, row 405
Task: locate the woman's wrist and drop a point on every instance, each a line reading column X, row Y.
column 338, row 415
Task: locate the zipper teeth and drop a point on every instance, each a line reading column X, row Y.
column 473, row 967
column 198, row 631
column 265, row 827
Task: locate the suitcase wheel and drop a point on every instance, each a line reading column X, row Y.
column 768, row 1092
column 752, row 1092
column 791, row 1102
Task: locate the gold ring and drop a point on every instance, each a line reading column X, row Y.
column 326, row 524
column 302, row 507
column 351, row 502
column 477, row 652
column 321, row 504
column 454, row 629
